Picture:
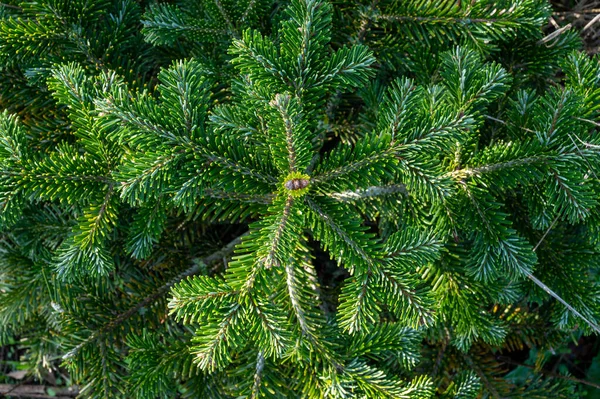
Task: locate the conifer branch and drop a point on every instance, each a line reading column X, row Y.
column 494, row 167
column 403, row 186
column 330, row 222
column 161, row 162
column 238, row 168
column 209, row 260
column 353, row 166
column 270, row 323
column 429, row 183
column 95, row 228
column 260, row 365
column 365, row 22
column 251, row 4
column 295, row 298
column 250, row 49
column 206, row 355
column 242, row 197
column 275, row 239
column 483, row 377
column 232, row 29
column 435, row 20
column 127, row 116
column 281, row 103
column 424, row 316
column 553, row 294
column 369, row 192
column 66, row 178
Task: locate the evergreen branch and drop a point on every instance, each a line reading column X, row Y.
column 270, row 244
column 413, row 244
column 295, row 299
column 254, row 49
column 345, row 169
column 164, row 23
column 419, row 180
column 209, row 260
column 67, row 178
column 236, row 167
column 228, row 117
column 347, row 68
column 553, row 294
column 436, row 20
column 185, row 90
column 415, row 305
column 144, row 175
column 195, row 29
column 127, row 116
column 396, row 106
column 272, row 335
column 591, row 168
column 260, row 364
column 358, row 304
column 251, row 4
column 579, row 198
column 369, row 192
column 302, row 287
column 276, row 237
column 330, row 222
column 448, row 21
column 289, row 137
column 375, row 383
column 439, row 134
column 481, row 374
column 12, row 137
column 304, row 37
column 206, row 356
column 282, row 103
column 353, row 166
column 556, row 113
column 192, row 297
column 241, row 197
column 365, row 22
column 356, row 252
column 497, row 243
column 494, row 167
column 88, row 233
column 306, row 33
column 376, row 344
column 232, row 29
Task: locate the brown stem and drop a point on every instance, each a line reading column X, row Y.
column 37, row 391
column 14, row 8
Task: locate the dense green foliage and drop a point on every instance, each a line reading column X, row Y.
column 278, row 199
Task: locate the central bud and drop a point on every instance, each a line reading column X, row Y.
column 296, row 183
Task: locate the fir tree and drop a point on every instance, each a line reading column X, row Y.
column 368, row 199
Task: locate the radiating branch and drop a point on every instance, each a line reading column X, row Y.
column 209, row 260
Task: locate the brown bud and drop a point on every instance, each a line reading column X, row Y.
column 296, row 184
